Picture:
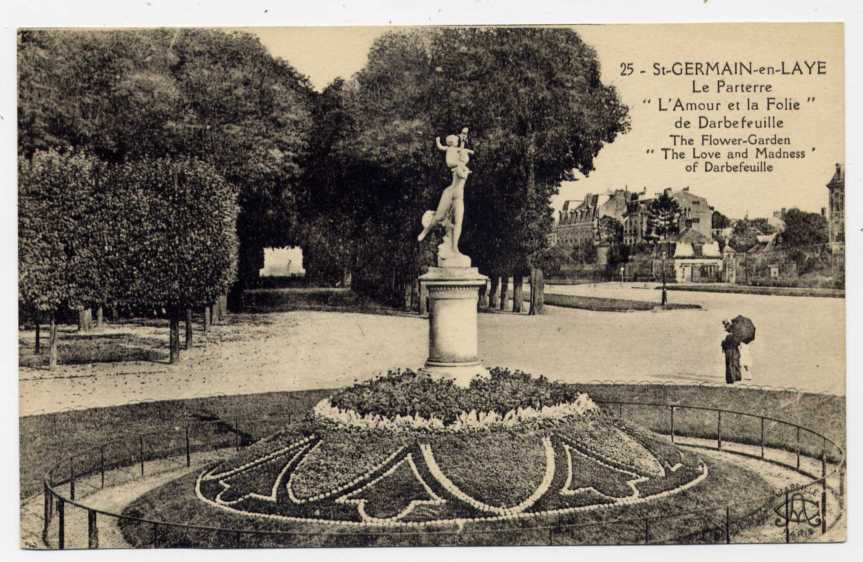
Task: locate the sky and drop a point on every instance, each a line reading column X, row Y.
column 324, row 53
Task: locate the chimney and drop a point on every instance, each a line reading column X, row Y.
column 685, row 188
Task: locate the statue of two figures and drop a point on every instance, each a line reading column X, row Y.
column 450, row 208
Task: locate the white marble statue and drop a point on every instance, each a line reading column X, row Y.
column 450, row 208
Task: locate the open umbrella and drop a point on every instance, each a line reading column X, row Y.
column 742, row 328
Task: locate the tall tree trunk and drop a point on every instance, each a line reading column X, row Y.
column 415, row 295
column 517, row 295
column 214, row 314
column 52, row 342
column 100, row 316
column 504, row 290
column 483, row 297
column 115, row 315
column 492, row 292
column 82, row 320
column 206, row 318
column 537, row 291
column 406, row 291
column 174, row 337
column 38, row 347
column 188, row 328
column 223, row 306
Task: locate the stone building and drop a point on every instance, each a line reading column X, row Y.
column 695, row 214
column 578, row 221
column 836, row 216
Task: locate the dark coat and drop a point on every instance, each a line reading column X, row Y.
column 731, row 349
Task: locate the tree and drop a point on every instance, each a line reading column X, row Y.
column 536, row 109
column 744, row 236
column 663, row 222
column 184, row 223
column 584, row 252
column 48, row 185
column 803, row 229
column 552, row 260
column 663, row 218
column 205, row 94
column 718, row 220
column 762, row 225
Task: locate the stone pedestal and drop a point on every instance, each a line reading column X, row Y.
column 453, row 345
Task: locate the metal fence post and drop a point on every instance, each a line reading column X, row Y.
column 620, row 410
column 762, row 437
column 719, row 429
column 71, row 478
column 787, row 517
column 798, row 447
column 672, row 424
column 92, row 530
column 237, row 431
column 188, row 450
column 61, row 523
column 102, row 464
column 46, row 509
column 727, row 524
column 823, row 492
column 155, row 535
column 842, row 483
column 141, row 452
column 646, row 530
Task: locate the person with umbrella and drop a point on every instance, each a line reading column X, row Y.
column 740, row 330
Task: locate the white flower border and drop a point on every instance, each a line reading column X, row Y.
column 340, row 489
column 458, row 521
column 466, row 421
column 361, row 502
column 528, row 502
column 567, row 486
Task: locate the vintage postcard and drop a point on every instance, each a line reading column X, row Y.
column 431, row 286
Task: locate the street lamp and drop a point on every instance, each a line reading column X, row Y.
column 664, row 293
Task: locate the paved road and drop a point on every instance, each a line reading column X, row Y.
column 799, row 344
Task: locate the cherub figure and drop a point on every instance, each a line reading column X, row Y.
column 457, row 156
column 450, row 208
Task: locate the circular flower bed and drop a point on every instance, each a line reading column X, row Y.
column 407, row 450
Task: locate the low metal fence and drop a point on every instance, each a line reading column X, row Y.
column 794, row 513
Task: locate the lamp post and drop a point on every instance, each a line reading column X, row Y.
column 664, row 293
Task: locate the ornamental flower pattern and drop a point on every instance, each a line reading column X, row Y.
column 412, row 486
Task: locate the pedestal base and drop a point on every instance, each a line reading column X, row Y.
column 461, row 374
column 453, row 294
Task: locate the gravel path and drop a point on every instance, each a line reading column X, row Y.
column 800, row 344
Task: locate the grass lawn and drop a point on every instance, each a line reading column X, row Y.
column 49, row 439
column 602, row 304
